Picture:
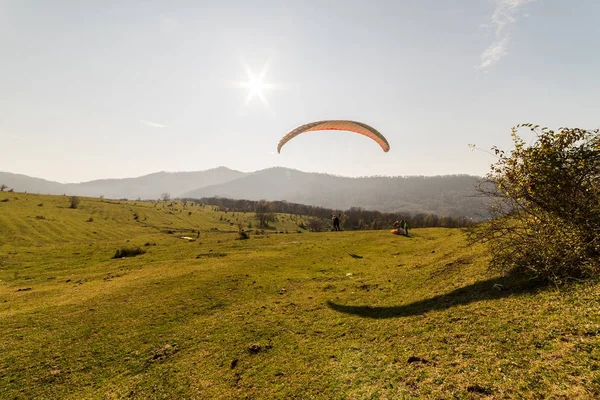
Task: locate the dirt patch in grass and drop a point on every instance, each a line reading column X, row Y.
column 211, row 255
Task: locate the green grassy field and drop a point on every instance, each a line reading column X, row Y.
column 333, row 315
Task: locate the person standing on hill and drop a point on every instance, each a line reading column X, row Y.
column 405, row 226
column 336, row 221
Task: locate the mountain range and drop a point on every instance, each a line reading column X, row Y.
column 447, row 195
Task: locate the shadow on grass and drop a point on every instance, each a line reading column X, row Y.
column 478, row 291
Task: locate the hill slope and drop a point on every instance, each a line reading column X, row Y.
column 24, row 183
column 153, row 185
column 145, row 187
column 311, row 315
column 452, row 195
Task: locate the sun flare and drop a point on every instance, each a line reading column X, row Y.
column 256, row 85
column 256, row 88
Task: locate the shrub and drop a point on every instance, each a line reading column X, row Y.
column 129, row 252
column 242, row 235
column 74, row 202
column 545, row 206
column 316, row 225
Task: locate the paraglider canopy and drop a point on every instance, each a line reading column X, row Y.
column 337, row 125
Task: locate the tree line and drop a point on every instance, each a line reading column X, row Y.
column 319, row 218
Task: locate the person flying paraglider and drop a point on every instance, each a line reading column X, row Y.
column 337, row 125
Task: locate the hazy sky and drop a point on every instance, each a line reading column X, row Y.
column 93, row 89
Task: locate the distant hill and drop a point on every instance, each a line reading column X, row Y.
column 153, row 185
column 449, row 195
column 146, row 187
column 24, row 183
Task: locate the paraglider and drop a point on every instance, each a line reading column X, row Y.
column 337, row 125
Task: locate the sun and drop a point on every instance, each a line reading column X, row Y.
column 256, row 85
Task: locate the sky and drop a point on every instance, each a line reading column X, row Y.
column 114, row 89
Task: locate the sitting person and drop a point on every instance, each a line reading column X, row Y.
column 398, row 228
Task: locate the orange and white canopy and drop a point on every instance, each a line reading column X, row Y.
column 337, row 125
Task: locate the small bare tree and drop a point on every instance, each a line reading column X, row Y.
column 165, row 197
column 264, row 213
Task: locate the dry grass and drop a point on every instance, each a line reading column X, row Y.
column 276, row 316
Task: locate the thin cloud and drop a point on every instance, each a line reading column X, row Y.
column 493, row 53
column 504, row 16
column 152, row 124
column 10, row 136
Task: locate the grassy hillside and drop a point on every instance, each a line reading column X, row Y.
column 298, row 315
column 33, row 220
